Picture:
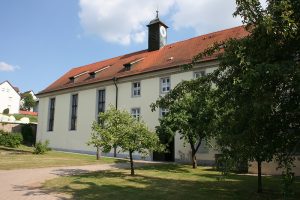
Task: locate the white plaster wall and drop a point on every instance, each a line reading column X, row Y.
column 9, row 98
column 62, row 138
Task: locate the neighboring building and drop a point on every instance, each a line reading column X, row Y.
column 9, row 98
column 132, row 82
column 34, row 108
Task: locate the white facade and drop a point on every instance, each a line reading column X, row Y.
column 9, row 98
column 32, row 109
column 65, row 139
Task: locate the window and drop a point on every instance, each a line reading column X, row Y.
column 163, row 112
column 199, row 74
column 101, row 101
column 135, row 112
column 51, row 114
column 74, row 105
column 136, row 89
column 165, row 85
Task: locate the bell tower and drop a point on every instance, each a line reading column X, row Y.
column 157, row 34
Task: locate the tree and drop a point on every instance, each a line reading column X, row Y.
column 258, row 84
column 29, row 102
column 119, row 128
column 190, row 113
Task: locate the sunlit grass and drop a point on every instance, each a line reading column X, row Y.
column 22, row 157
column 172, row 182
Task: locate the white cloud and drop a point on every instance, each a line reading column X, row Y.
column 123, row 21
column 7, row 67
column 119, row 21
column 205, row 16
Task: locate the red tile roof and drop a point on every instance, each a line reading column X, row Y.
column 169, row 56
column 24, row 112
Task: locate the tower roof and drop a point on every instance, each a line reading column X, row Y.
column 157, row 20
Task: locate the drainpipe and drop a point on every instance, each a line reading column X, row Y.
column 117, row 91
column 117, row 94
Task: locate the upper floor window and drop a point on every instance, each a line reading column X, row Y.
column 163, row 112
column 135, row 112
column 51, row 114
column 74, row 105
column 136, row 89
column 165, row 85
column 199, row 74
column 101, row 101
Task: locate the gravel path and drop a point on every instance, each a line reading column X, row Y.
column 24, row 184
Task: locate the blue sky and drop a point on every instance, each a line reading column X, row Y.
column 40, row 40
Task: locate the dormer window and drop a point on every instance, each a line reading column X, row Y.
column 93, row 74
column 127, row 66
column 73, row 78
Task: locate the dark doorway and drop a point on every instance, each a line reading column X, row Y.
column 169, row 156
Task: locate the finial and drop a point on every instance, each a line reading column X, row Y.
column 157, row 13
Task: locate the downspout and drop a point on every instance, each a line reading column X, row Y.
column 117, row 94
column 117, row 91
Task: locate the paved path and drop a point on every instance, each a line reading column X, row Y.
column 24, row 184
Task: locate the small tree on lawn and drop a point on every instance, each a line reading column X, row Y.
column 28, row 101
column 119, row 128
column 190, row 113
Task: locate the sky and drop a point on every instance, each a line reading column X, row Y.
column 40, row 40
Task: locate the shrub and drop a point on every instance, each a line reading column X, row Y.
column 6, row 111
column 41, row 148
column 12, row 140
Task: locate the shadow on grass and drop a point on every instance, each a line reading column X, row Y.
column 165, row 167
column 120, row 185
column 15, row 151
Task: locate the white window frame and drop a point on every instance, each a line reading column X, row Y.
column 163, row 112
column 136, row 113
column 199, row 73
column 164, row 84
column 136, row 91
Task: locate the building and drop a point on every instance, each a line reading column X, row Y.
column 132, row 82
column 35, row 107
column 9, row 98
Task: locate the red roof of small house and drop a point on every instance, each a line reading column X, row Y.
column 24, row 112
column 169, row 56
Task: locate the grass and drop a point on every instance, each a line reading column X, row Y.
column 172, row 182
column 21, row 158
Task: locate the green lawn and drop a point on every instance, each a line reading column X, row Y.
column 174, row 182
column 22, row 158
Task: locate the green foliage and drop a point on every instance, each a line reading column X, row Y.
column 41, row 148
column 258, row 83
column 190, row 113
column 31, row 117
column 29, row 102
column 6, row 111
column 120, row 129
column 12, row 140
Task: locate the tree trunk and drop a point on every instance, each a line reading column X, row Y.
column 115, row 152
column 259, row 181
column 98, row 153
column 131, row 163
column 194, row 159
